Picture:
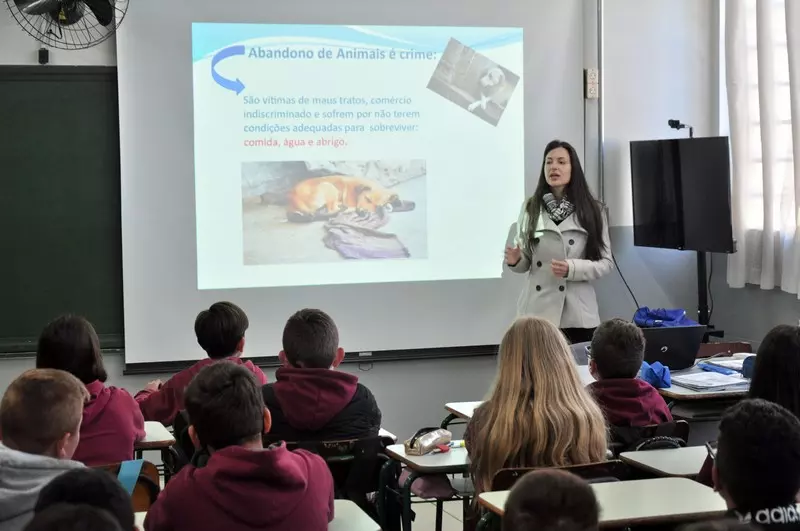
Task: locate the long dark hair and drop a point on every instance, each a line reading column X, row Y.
column 777, row 369
column 587, row 208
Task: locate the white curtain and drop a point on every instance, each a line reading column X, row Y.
column 762, row 64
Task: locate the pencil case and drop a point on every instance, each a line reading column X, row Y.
column 427, row 440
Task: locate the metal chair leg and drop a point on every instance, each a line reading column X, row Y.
column 405, row 495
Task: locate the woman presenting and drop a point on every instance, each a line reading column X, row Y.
column 562, row 244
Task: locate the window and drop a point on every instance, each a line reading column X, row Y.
column 769, row 136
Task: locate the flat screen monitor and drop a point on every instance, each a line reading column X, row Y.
column 682, row 194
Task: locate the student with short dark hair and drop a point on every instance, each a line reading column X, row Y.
column 40, row 422
column 67, row 517
column 244, row 486
column 551, row 500
column 617, row 353
column 112, row 421
column 310, row 401
column 776, row 374
column 220, row 332
column 757, row 464
column 92, row 487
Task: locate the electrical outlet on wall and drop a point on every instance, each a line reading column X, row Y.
column 591, row 77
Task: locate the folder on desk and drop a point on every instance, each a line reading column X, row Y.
column 711, row 381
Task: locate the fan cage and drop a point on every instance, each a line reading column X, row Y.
column 85, row 33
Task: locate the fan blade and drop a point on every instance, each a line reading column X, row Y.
column 103, row 11
column 37, row 7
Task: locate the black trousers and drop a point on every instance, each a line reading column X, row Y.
column 578, row 335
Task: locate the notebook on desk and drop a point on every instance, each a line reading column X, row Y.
column 710, row 381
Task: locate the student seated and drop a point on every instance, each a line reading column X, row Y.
column 538, row 413
column 551, row 500
column 67, row 517
column 615, row 360
column 757, row 465
column 244, row 486
column 220, row 332
column 776, row 374
column 112, row 421
column 40, row 422
column 310, row 400
column 92, row 487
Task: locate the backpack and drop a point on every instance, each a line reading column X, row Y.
column 661, row 318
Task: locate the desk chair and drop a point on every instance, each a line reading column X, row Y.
column 182, row 452
column 355, row 465
column 673, row 434
column 603, row 472
column 147, row 486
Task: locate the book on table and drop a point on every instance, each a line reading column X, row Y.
column 711, row 381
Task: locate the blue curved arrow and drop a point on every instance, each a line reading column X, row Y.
column 235, row 85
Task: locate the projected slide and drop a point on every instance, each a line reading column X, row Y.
column 354, row 154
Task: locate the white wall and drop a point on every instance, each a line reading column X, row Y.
column 19, row 48
column 658, row 65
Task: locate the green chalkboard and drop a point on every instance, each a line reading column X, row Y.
column 60, row 237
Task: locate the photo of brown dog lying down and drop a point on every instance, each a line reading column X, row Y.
column 322, row 198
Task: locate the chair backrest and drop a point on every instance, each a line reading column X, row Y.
column 673, row 434
column 354, row 464
column 723, row 348
column 602, row 472
column 147, row 486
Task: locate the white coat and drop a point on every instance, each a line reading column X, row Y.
column 566, row 302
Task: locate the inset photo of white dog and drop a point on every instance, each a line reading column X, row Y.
column 473, row 81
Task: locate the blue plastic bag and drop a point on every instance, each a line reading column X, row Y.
column 661, row 318
column 656, row 375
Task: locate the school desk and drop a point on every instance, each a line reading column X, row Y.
column 643, row 502
column 157, row 437
column 677, row 462
column 347, row 516
column 453, row 462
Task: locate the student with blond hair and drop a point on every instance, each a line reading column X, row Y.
column 538, row 413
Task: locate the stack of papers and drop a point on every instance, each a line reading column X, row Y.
column 711, row 381
column 736, row 364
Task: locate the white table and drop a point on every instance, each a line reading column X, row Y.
column 156, row 437
column 456, row 461
column 674, row 462
column 347, row 516
column 452, row 462
column 676, row 392
column 643, row 502
column 386, row 434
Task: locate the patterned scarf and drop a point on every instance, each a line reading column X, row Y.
column 558, row 210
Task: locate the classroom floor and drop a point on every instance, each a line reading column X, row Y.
column 426, row 516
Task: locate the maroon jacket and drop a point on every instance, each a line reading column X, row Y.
column 320, row 405
column 247, row 490
column 162, row 405
column 112, row 422
column 630, row 402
